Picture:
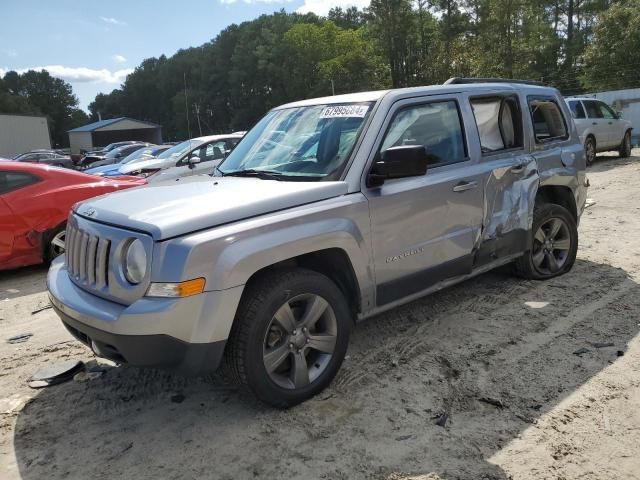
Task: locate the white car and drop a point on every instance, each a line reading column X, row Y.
column 599, row 127
column 191, row 157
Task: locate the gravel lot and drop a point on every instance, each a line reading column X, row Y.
column 484, row 380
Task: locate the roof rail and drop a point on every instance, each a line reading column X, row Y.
column 459, row 80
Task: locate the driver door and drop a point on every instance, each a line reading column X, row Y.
column 424, row 227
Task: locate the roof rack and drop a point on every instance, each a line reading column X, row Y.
column 460, row 80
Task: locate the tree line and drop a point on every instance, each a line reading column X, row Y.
column 231, row 81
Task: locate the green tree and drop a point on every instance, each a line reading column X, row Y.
column 39, row 93
column 611, row 61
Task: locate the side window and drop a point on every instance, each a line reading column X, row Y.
column 577, row 110
column 499, row 123
column 606, row 111
column 547, row 119
column 593, row 110
column 10, row 181
column 436, row 126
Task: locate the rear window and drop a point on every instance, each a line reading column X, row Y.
column 499, row 123
column 593, row 109
column 10, row 181
column 547, row 118
column 577, row 110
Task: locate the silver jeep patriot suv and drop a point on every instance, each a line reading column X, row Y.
column 327, row 212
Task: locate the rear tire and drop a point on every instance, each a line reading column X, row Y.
column 625, row 146
column 554, row 244
column 289, row 337
column 590, row 150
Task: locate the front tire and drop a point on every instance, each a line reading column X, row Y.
column 625, row 146
column 55, row 244
column 554, row 244
column 289, row 337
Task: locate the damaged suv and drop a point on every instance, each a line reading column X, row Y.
column 327, row 212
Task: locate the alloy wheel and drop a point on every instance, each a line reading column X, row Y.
column 300, row 341
column 57, row 244
column 551, row 246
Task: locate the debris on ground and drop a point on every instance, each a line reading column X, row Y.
column 492, row 401
column 441, row 420
column 41, row 309
column 178, row 398
column 620, row 353
column 23, row 337
column 602, row 344
column 590, row 202
column 581, row 351
column 55, row 374
column 13, row 404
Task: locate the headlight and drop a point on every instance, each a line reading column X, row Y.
column 135, row 262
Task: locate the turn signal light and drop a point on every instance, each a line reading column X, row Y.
column 182, row 289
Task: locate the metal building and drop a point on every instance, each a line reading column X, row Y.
column 102, row 133
column 22, row 133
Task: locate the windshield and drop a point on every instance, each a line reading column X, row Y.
column 139, row 155
column 114, row 153
column 178, row 151
column 311, row 142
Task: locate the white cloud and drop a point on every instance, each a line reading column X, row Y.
column 10, row 52
column 322, row 7
column 80, row 74
column 112, row 21
column 119, row 58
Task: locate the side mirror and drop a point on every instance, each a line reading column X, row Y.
column 398, row 162
column 193, row 160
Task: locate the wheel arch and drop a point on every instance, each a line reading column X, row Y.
column 334, row 263
column 560, row 195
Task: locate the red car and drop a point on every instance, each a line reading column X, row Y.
column 34, row 204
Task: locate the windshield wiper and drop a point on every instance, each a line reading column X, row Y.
column 251, row 172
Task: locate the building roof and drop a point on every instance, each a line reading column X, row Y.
column 92, row 127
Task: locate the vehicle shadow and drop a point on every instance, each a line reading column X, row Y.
column 610, row 160
column 437, row 386
column 23, row 281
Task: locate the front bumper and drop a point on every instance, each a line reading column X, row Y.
column 183, row 334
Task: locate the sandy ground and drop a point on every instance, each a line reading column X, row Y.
column 493, row 356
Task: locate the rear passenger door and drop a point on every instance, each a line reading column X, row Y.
column 598, row 123
column 615, row 128
column 510, row 176
column 423, row 228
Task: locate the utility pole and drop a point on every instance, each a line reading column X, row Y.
column 333, row 88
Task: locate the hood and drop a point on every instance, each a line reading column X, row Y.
column 174, row 208
column 96, row 170
column 154, row 163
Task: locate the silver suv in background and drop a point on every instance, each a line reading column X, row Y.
column 600, row 128
column 328, row 211
column 191, row 157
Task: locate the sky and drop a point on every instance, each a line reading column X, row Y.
column 93, row 44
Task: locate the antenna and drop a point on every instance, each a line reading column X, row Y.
column 186, row 106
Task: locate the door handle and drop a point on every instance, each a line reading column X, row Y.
column 610, row 123
column 464, row 186
column 594, row 123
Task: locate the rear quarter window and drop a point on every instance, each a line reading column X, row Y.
column 548, row 121
column 11, row 181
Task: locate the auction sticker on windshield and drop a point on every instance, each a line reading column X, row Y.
column 344, row 111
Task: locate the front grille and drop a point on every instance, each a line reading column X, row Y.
column 94, row 256
column 87, row 257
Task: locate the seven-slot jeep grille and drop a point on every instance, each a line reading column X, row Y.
column 87, row 257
